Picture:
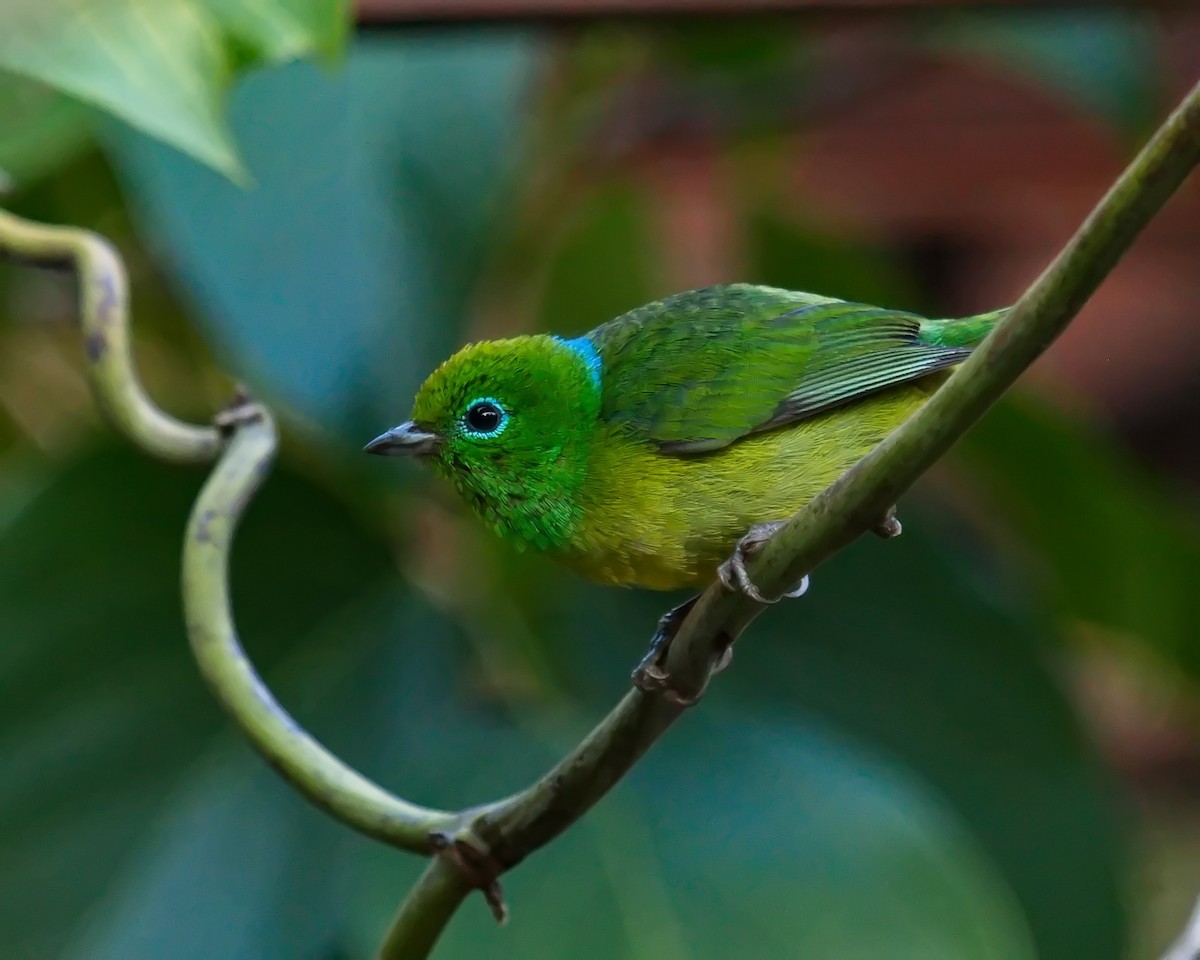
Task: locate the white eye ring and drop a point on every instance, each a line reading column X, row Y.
column 484, row 418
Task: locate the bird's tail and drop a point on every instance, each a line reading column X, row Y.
column 963, row 332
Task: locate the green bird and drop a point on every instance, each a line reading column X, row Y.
column 650, row 450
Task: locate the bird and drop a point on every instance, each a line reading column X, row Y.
column 662, row 448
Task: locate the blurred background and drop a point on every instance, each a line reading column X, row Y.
column 979, row 741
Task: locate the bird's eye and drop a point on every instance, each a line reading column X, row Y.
column 485, row 418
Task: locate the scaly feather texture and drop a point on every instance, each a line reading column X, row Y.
column 641, row 452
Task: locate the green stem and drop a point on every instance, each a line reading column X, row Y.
column 864, row 493
column 515, row 827
column 425, row 912
column 511, row 829
column 103, row 313
column 308, row 766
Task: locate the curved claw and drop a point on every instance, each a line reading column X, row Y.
column 889, row 526
column 650, row 675
column 736, row 579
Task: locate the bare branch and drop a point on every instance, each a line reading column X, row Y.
column 425, row 912
column 303, row 762
column 103, row 312
column 486, row 841
column 104, row 319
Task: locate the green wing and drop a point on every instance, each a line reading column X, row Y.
column 700, row 369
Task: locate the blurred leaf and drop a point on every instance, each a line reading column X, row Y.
column 103, row 707
column 789, row 254
column 40, row 129
column 162, row 65
column 340, row 281
column 751, row 837
column 919, row 651
column 1107, row 59
column 157, row 64
column 603, row 264
column 1106, row 546
column 747, row 47
column 800, row 837
column 963, row 791
column 280, row 30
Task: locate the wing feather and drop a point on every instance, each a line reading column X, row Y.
column 699, row 370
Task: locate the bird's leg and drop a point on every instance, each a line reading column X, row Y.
column 733, row 575
column 649, row 675
column 889, row 526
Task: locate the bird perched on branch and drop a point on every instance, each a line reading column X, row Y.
column 663, row 447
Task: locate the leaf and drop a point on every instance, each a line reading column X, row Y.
column 758, row 838
column 607, row 227
column 1105, row 59
column 40, row 130
column 157, row 64
column 1108, row 547
column 338, row 283
column 104, row 708
column 899, row 778
column 924, row 652
column 800, row 834
column 799, row 257
column 276, row 31
column 916, row 653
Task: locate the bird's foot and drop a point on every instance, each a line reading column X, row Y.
column 889, row 526
column 736, row 579
column 651, row 676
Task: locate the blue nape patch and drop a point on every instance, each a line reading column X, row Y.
column 584, row 348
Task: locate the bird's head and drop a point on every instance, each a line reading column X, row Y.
column 508, row 422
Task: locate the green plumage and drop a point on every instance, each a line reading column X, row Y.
column 698, row 370
column 642, row 451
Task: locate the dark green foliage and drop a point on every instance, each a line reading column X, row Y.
column 890, row 768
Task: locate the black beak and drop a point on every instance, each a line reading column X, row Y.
column 406, row 440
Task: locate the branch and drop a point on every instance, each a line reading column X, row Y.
column 425, row 912
column 304, row 763
column 512, row 829
column 244, row 462
column 103, row 312
column 475, row 846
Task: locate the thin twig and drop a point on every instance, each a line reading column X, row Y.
column 308, row 766
column 103, row 313
column 502, row 834
column 425, row 912
column 104, row 320
column 515, row 827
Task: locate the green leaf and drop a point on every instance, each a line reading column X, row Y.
column 40, row 130
column 157, row 64
column 753, row 836
column 744, row 823
column 927, row 654
column 797, row 256
column 1084, row 510
column 338, row 283
column 608, row 226
column 276, row 31
column 921, row 656
column 104, row 708
column 1105, row 59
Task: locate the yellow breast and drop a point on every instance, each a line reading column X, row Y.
column 662, row 521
